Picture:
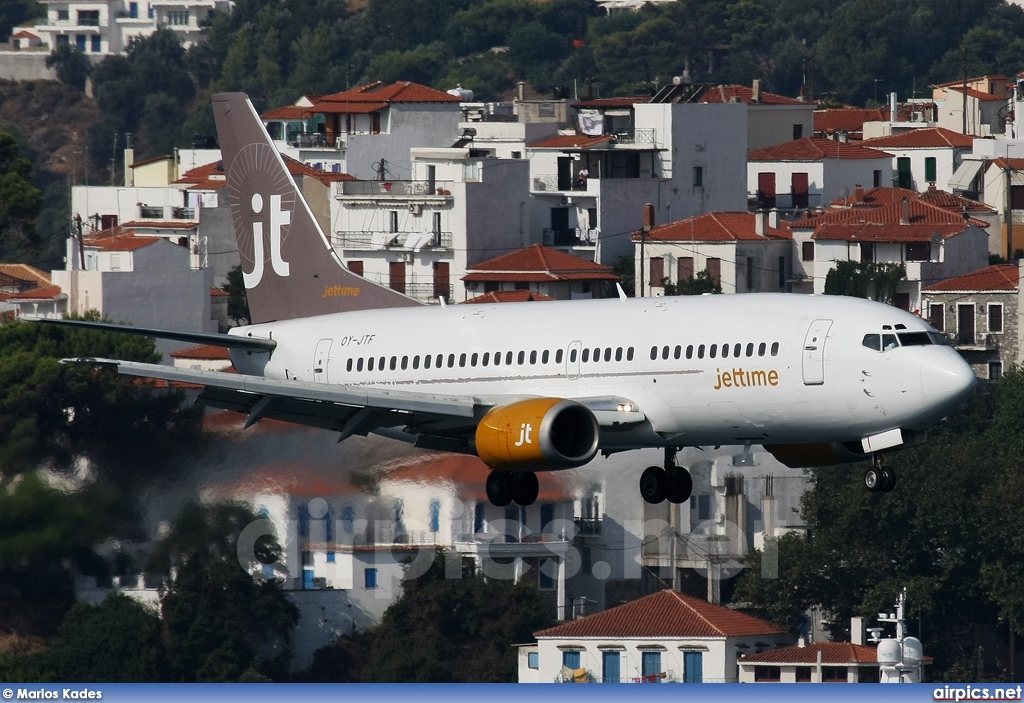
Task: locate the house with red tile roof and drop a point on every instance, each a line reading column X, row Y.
column 924, row 157
column 771, row 119
column 588, row 185
column 547, row 272
column 507, row 296
column 744, row 252
column 931, row 242
column 202, row 358
column 977, row 111
column 809, row 172
column 666, row 637
column 820, row 662
column 978, row 313
column 366, row 131
column 857, row 123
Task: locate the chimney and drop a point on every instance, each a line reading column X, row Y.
column 773, row 218
column 856, row 630
column 521, row 91
column 648, row 217
column 129, row 172
column 760, row 222
column 858, row 194
column 757, row 91
column 905, row 212
column 893, row 111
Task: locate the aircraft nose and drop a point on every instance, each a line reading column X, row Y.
column 948, row 379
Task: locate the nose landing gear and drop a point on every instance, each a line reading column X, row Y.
column 672, row 482
column 879, row 478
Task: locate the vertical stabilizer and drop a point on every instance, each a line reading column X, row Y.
column 289, row 266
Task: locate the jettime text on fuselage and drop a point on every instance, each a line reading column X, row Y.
column 741, row 378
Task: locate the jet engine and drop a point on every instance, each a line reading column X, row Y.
column 800, row 456
column 538, row 433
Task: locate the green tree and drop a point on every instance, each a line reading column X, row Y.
column 16, row 12
column 698, row 284
column 20, row 200
column 865, row 279
column 238, row 303
column 73, row 67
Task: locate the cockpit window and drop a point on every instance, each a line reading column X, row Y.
column 937, row 338
column 915, row 339
column 889, row 342
column 873, row 341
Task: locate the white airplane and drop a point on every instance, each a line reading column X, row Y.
column 537, row 387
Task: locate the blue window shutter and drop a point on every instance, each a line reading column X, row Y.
column 370, row 578
column 611, row 663
column 435, row 515
column 693, row 667
column 651, row 663
column 331, row 558
column 533, row 660
column 571, row 660
column 307, row 579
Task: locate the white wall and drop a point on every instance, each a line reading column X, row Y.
column 768, row 125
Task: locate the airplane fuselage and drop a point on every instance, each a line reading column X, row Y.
column 758, row 368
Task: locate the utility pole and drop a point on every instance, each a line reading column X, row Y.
column 648, row 223
column 1008, row 216
column 963, row 69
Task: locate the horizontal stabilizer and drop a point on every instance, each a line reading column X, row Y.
column 211, row 338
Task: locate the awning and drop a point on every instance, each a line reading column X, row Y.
column 965, row 174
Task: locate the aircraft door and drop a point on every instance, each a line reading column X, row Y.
column 814, row 352
column 572, row 360
column 321, row 358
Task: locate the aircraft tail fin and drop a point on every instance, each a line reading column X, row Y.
column 288, row 264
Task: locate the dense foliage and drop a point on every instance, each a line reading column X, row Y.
column 952, row 533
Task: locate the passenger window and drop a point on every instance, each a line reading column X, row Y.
column 544, row 357
column 558, row 356
column 618, row 354
column 713, row 352
column 689, row 351
column 725, row 351
column 462, row 360
column 426, row 361
column 486, row 359
column 760, row 348
column 677, row 352
column 629, row 354
column 572, row 356
column 359, row 364
column 700, row 352
column 394, row 363
column 664, row 352
column 497, row 358
column 775, row 348
column 737, row 348
column 608, row 354
column 451, row 361
column 380, row 363
column 348, row 365
column 889, row 342
column 522, row 358
column 586, row 356
column 416, row 361
column 597, row 354
column 438, row 361
column 370, row 363
column 750, row 348
column 533, row 357
column 473, row 359
column 405, row 363
column 873, row 341
column 654, row 353
column 508, row 358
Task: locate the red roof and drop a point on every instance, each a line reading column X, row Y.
column 959, row 82
column 611, row 103
column 288, row 480
column 508, row 296
column 123, row 240
column 875, row 197
column 847, row 119
column 832, row 654
column 664, row 614
column 470, row 474
column 924, row 138
column 203, row 351
column 815, row 149
column 886, row 232
column 285, row 112
column 218, row 293
column 745, row 94
column 571, row 141
column 953, row 202
column 297, row 168
column 158, row 224
column 539, row 263
column 921, row 213
column 400, row 92
column 44, row 293
column 162, row 157
column 25, row 34
column 24, row 272
column 715, row 227
column 998, row 277
column 1015, row 164
column 976, row 94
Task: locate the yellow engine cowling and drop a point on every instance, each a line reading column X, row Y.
column 802, row 456
column 538, row 433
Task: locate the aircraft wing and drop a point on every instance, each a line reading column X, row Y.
column 429, row 420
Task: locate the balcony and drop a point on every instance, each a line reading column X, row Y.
column 159, row 212
column 641, row 136
column 588, row 525
column 783, row 201
column 394, row 188
column 578, row 237
column 429, row 291
column 379, row 239
column 549, row 183
column 973, row 341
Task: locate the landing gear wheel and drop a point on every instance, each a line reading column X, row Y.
column 873, row 479
column 654, row 484
column 888, row 479
column 680, row 485
column 525, row 487
column 499, row 488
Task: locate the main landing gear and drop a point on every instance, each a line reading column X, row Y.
column 672, row 483
column 878, row 477
column 503, row 487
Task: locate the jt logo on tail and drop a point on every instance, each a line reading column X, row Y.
column 278, row 219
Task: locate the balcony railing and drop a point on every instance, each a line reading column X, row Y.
column 975, row 340
column 638, row 135
column 428, row 291
column 379, row 239
column 588, row 525
column 183, row 213
column 396, row 188
column 577, row 237
column 548, row 183
column 148, row 212
column 783, row 201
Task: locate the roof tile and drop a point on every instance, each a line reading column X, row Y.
column 715, row 227
column 815, row 149
column 745, row 94
column 507, row 296
column 571, row 141
column 539, row 263
column 832, row 654
column 998, row 277
column 924, row 138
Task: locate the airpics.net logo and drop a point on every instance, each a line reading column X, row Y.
column 279, row 218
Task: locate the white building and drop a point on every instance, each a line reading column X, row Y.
column 820, row 662
column 666, row 637
column 677, row 154
column 924, row 157
column 420, row 235
column 550, row 273
column 809, row 172
column 978, row 111
column 100, row 28
column 771, row 119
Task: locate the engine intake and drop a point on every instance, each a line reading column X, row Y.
column 803, row 456
column 538, row 433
